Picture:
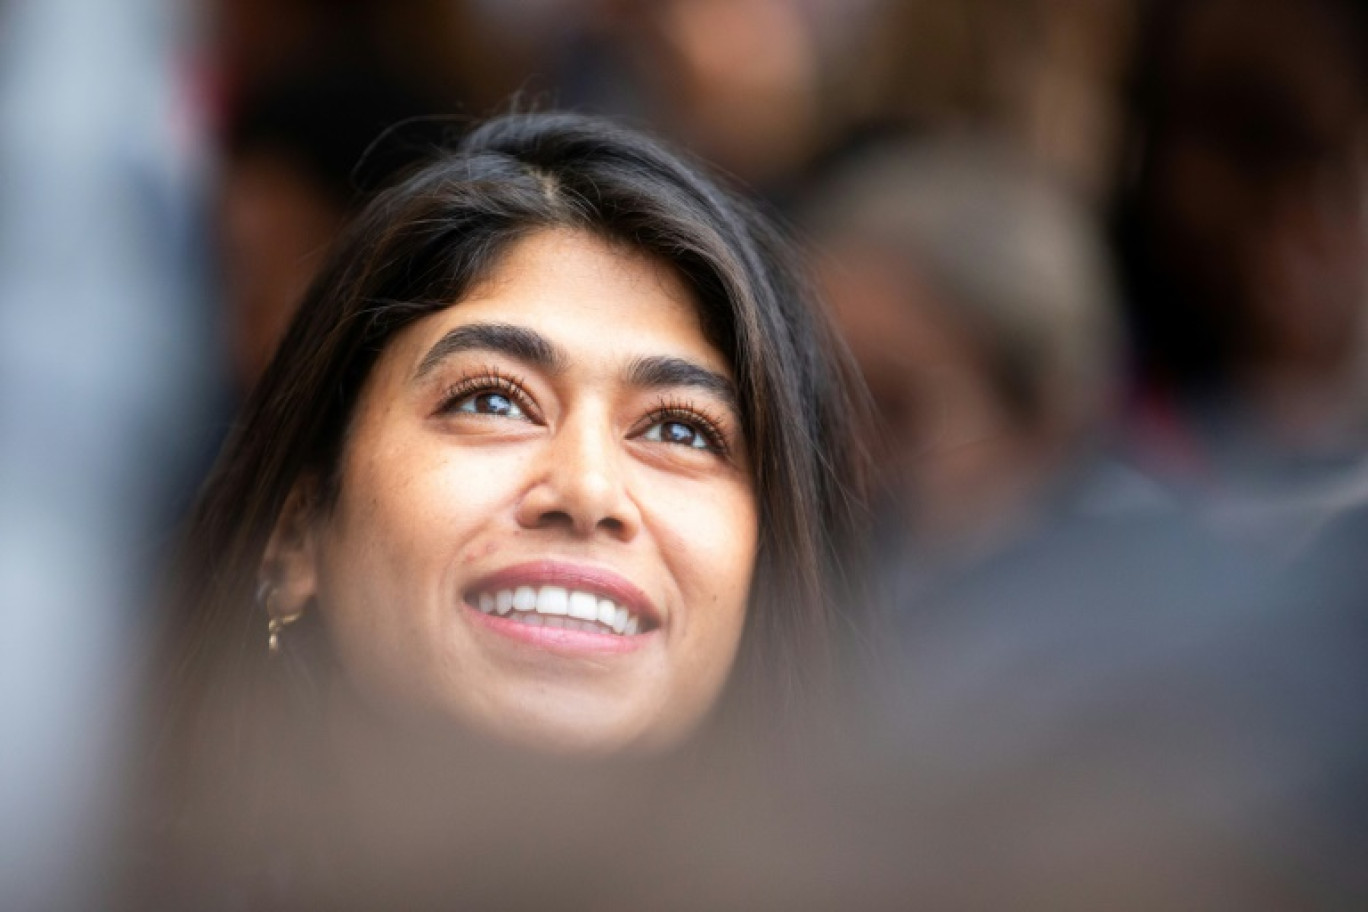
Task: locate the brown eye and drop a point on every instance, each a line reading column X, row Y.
column 489, row 402
column 679, row 433
column 489, row 393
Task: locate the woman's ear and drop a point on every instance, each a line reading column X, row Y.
column 289, row 566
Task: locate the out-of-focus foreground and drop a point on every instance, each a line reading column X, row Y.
column 1104, row 266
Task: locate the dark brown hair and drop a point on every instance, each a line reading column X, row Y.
column 418, row 248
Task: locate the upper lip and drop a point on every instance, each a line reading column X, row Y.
column 581, row 577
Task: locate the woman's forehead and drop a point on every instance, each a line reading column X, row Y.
column 561, row 299
column 584, row 296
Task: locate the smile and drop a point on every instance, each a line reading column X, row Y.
column 577, row 599
column 560, row 607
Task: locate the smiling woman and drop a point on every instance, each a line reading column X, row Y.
column 550, row 482
column 557, row 452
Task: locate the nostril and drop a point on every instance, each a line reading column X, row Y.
column 552, row 519
column 555, row 518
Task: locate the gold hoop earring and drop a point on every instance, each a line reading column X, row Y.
column 266, row 593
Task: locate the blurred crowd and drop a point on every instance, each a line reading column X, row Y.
column 1104, row 265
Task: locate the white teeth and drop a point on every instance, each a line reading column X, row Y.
column 556, row 606
column 583, row 605
column 553, row 600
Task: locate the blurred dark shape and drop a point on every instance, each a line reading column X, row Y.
column 302, row 151
column 976, row 297
column 1243, row 234
column 427, row 42
column 1134, row 715
column 1041, row 71
column 738, row 82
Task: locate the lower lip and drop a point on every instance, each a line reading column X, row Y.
column 557, row 639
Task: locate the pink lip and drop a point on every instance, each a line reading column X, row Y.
column 554, row 639
column 603, row 583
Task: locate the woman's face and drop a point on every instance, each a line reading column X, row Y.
column 546, row 528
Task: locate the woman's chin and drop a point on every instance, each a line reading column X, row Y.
column 529, row 718
column 585, row 730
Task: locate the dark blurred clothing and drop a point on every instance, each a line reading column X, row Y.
column 1147, row 701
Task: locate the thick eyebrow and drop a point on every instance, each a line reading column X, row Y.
column 661, row 371
column 515, row 341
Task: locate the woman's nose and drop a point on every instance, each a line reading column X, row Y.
column 580, row 482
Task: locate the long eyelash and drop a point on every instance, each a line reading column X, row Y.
column 690, row 413
column 486, row 380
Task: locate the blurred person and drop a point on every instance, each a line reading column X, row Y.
column 299, row 159
column 1117, row 709
column 556, row 453
column 738, row 82
column 940, row 64
column 1043, row 72
column 1243, row 232
column 977, row 300
column 1084, row 698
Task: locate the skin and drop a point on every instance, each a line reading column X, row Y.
column 446, row 480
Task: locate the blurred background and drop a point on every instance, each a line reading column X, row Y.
column 1104, row 264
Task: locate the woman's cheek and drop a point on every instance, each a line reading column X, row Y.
column 486, row 477
column 707, row 533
